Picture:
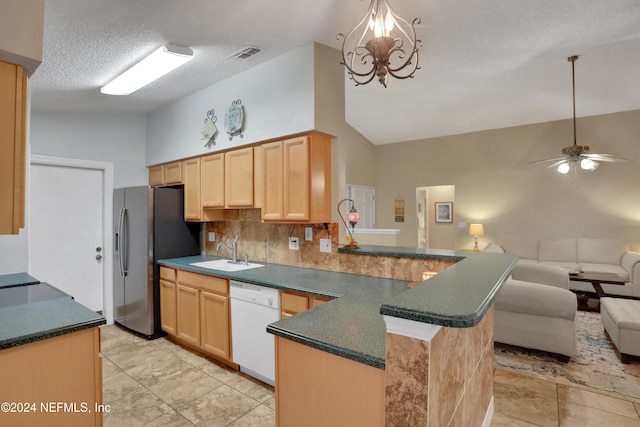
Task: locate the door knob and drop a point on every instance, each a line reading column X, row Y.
column 99, row 257
column 98, row 249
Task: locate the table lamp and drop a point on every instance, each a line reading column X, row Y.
column 476, row 230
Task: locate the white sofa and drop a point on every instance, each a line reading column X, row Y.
column 579, row 254
column 535, row 309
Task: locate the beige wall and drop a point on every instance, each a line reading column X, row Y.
column 353, row 155
column 496, row 186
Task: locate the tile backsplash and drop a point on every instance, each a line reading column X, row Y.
column 269, row 242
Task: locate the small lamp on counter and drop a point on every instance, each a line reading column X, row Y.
column 353, row 217
column 476, row 230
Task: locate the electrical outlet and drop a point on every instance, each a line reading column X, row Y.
column 325, row 246
column 212, row 236
column 294, row 243
column 308, row 234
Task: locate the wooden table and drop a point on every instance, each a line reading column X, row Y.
column 596, row 280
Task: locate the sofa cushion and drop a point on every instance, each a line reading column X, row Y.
column 561, row 249
column 605, row 268
column 523, row 247
column 603, row 251
column 534, row 298
column 571, row 266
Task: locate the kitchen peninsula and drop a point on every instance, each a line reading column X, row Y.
column 50, row 366
column 369, row 356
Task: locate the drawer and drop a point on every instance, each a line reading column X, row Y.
column 316, row 301
column 293, row 303
column 168, row 274
column 202, row 281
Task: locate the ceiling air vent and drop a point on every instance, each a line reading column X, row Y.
column 245, row 52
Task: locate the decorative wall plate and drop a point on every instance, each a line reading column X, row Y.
column 233, row 119
column 209, row 130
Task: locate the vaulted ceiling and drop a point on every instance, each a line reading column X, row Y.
column 484, row 63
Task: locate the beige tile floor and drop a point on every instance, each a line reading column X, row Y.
column 158, row 383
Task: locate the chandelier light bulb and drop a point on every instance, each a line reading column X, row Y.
column 381, row 45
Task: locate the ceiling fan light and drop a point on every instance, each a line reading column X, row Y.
column 563, row 168
column 588, row 164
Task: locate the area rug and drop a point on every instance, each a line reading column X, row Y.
column 596, row 365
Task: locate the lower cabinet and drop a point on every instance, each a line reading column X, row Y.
column 195, row 310
column 292, row 303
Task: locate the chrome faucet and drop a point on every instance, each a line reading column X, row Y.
column 234, row 249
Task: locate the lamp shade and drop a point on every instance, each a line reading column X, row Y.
column 476, row 230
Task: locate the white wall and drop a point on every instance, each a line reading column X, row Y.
column 117, row 139
column 278, row 100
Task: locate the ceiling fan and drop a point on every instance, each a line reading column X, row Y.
column 577, row 154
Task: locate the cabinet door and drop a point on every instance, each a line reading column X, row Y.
column 215, row 325
column 296, row 179
column 168, row 307
column 239, row 177
column 13, row 88
column 172, row 173
column 188, row 314
column 156, row 175
column 273, row 196
column 212, row 180
column 192, row 205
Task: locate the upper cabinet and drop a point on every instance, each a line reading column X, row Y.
column 297, row 180
column 166, row 174
column 239, row 178
column 13, row 104
column 290, row 180
column 192, row 187
column 212, row 180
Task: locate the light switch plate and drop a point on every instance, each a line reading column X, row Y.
column 212, row 236
column 325, row 246
column 308, row 234
column 294, row 243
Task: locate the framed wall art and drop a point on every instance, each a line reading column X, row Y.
column 444, row 212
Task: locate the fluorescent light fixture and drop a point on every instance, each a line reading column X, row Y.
column 162, row 61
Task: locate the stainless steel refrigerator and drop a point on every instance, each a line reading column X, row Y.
column 148, row 225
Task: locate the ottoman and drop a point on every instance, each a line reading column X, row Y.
column 621, row 319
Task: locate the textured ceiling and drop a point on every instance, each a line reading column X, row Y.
column 484, row 63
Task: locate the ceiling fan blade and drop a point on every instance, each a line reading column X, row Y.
column 604, row 157
column 557, row 159
column 557, row 163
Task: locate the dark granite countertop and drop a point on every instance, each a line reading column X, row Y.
column 352, row 325
column 16, row 279
column 35, row 319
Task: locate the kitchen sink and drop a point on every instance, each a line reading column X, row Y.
column 226, row 265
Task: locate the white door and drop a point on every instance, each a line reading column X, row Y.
column 422, row 215
column 66, row 230
column 364, row 199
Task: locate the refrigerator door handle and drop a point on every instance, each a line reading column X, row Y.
column 124, row 258
column 119, row 245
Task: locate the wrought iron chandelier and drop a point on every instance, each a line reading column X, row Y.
column 382, row 44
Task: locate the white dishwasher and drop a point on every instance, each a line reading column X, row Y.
column 252, row 309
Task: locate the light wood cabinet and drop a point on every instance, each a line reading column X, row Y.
column 202, row 311
column 239, row 178
column 297, row 180
column 166, row 174
column 292, row 303
column 13, row 107
column 192, row 200
column 214, row 315
column 188, row 314
column 309, row 381
column 66, row 368
column 168, row 321
column 212, row 180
